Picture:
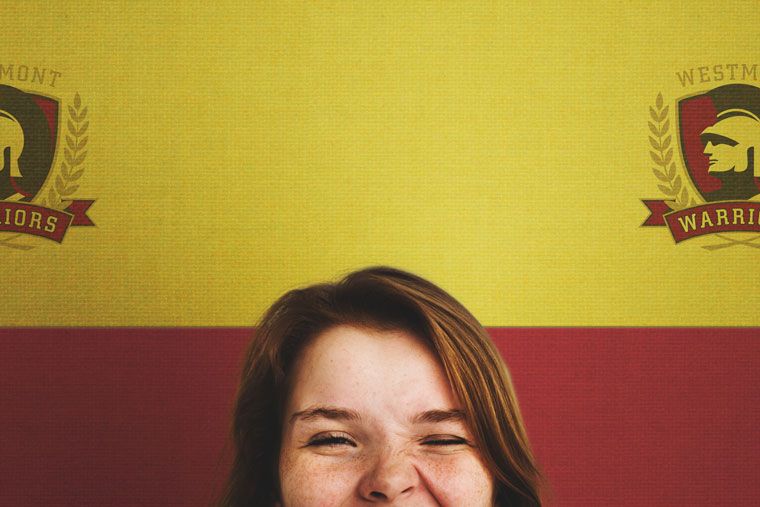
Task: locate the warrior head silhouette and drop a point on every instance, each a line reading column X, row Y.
column 11, row 143
column 732, row 142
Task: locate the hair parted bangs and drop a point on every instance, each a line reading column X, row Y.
column 384, row 299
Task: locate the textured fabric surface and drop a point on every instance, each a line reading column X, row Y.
column 229, row 151
column 500, row 149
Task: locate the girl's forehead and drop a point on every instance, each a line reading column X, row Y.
column 369, row 371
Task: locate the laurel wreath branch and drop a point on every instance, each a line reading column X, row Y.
column 60, row 192
column 728, row 242
column 74, row 152
column 662, row 155
column 8, row 242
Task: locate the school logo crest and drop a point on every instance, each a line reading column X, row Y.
column 38, row 177
column 706, row 153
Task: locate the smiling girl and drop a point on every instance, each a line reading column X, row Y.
column 379, row 389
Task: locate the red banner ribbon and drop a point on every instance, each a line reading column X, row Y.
column 79, row 210
column 657, row 209
column 741, row 216
column 44, row 222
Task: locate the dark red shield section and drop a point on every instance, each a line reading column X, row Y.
column 38, row 118
column 698, row 112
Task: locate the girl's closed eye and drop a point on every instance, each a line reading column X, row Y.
column 444, row 440
column 330, row 440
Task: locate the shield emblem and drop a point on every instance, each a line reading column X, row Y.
column 28, row 134
column 720, row 139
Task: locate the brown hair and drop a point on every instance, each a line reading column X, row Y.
column 381, row 298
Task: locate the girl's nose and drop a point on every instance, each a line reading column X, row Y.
column 392, row 477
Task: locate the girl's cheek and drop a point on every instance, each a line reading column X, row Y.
column 457, row 480
column 317, row 481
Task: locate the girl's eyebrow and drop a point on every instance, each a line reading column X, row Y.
column 437, row 416
column 345, row 414
column 326, row 412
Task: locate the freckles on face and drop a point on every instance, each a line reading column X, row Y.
column 371, row 419
column 459, row 480
column 313, row 481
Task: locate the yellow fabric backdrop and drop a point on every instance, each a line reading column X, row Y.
column 239, row 149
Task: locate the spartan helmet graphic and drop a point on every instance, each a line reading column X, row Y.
column 732, row 142
column 28, row 133
column 11, row 143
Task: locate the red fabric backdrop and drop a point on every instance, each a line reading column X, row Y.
column 138, row 417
